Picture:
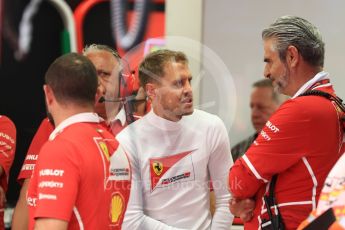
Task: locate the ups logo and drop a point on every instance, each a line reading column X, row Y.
column 157, row 167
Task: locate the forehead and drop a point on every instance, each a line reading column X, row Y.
column 102, row 59
column 269, row 45
column 173, row 70
column 264, row 94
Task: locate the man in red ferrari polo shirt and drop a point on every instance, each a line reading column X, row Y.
column 301, row 141
column 75, row 162
column 107, row 63
column 7, row 150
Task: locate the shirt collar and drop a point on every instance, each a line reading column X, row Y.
column 121, row 116
column 318, row 77
column 163, row 123
column 80, row 117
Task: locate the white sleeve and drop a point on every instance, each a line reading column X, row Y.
column 219, row 164
column 134, row 216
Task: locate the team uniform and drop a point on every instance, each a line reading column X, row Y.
column 172, row 163
column 118, row 123
column 73, row 179
column 41, row 136
column 7, row 151
column 300, row 142
column 332, row 196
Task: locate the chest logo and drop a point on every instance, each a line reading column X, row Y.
column 171, row 169
column 116, row 208
column 104, row 149
column 157, row 168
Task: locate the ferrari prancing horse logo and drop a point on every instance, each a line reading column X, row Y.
column 157, row 167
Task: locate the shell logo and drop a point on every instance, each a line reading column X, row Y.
column 116, row 208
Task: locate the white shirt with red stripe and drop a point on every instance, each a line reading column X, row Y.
column 172, row 163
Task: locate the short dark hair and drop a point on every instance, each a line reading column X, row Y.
column 292, row 30
column 73, row 79
column 267, row 83
column 152, row 67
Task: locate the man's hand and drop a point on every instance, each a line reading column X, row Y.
column 242, row 208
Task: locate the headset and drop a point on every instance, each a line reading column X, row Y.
column 128, row 89
column 128, row 85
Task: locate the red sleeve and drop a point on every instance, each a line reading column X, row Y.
column 56, row 180
column 7, row 148
column 41, row 136
column 281, row 144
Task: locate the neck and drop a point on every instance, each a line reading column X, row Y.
column 166, row 114
column 302, row 76
column 113, row 111
column 64, row 112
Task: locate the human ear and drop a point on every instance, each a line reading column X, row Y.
column 292, row 56
column 49, row 95
column 151, row 90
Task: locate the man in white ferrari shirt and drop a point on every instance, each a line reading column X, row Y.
column 174, row 151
